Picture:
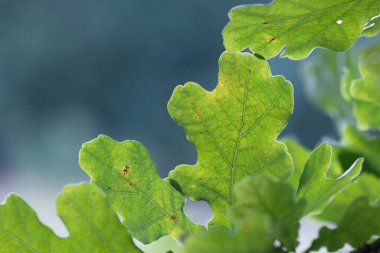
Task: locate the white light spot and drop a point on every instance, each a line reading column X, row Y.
column 339, row 22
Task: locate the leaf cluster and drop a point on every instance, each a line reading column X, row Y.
column 258, row 186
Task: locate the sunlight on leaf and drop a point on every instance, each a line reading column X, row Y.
column 151, row 207
column 234, row 129
column 299, row 26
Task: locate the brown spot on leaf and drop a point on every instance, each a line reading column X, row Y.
column 270, row 39
column 126, row 169
column 265, row 22
column 173, row 217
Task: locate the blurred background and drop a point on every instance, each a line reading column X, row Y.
column 70, row 70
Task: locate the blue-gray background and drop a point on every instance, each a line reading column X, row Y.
column 73, row 69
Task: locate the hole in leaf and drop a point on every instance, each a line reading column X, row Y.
column 339, row 21
column 247, row 50
column 199, row 212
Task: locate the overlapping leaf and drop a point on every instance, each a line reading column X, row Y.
column 366, row 92
column 260, row 195
column 349, row 98
column 150, row 206
column 322, row 75
column 299, row 154
column 298, row 25
column 355, row 144
column 359, row 224
column 365, row 185
column 234, row 128
column 315, row 186
column 92, row 224
column 253, row 237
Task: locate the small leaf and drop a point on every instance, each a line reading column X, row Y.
column 365, row 185
column 20, row 229
column 359, row 224
column 92, row 224
column 260, row 195
column 300, row 26
column 234, row 129
column 150, row 206
column 315, row 186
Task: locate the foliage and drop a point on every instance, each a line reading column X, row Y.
column 92, row 224
column 127, row 174
column 257, row 187
column 351, row 228
column 234, row 129
column 300, row 26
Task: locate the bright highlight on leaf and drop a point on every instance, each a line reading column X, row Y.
column 316, row 187
column 92, row 224
column 150, row 206
column 372, row 28
column 299, row 26
column 234, row 129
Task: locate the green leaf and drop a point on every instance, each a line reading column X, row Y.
column 234, row 129
column 364, row 185
column 260, row 195
column 368, row 88
column 373, row 27
column 359, row 224
column 253, row 237
column 298, row 25
column 366, row 91
column 92, row 224
column 355, row 143
column 322, row 76
column 315, row 186
column 151, row 207
column 20, row 229
column 299, row 154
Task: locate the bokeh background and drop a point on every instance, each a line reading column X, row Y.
column 73, row 69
